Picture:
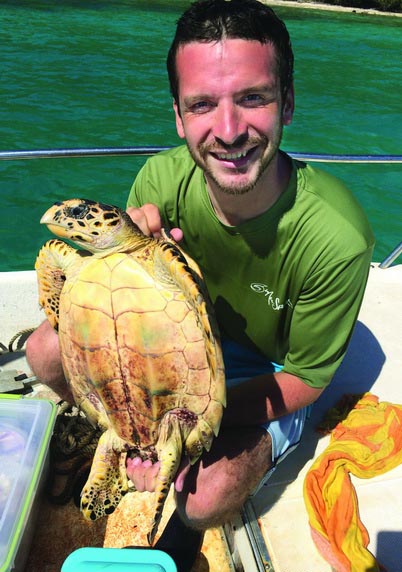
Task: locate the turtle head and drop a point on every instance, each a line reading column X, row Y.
column 96, row 227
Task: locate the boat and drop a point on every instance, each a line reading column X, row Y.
column 271, row 534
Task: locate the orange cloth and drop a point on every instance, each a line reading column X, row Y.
column 367, row 443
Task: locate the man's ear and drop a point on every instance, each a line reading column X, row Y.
column 179, row 122
column 288, row 106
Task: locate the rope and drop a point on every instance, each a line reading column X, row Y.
column 72, row 449
column 21, row 336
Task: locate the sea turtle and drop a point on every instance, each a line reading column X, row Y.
column 139, row 343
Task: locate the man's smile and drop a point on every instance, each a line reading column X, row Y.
column 238, row 158
column 231, row 156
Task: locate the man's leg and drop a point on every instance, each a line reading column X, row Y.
column 218, row 485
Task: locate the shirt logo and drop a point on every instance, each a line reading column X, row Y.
column 273, row 301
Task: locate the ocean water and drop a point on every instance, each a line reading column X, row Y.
column 92, row 74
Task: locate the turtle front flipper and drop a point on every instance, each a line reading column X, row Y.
column 107, row 482
column 185, row 273
column 174, row 428
column 51, row 265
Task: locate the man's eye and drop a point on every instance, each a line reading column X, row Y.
column 253, row 99
column 201, row 107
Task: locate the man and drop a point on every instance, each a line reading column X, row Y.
column 284, row 248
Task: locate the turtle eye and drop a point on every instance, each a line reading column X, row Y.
column 78, row 211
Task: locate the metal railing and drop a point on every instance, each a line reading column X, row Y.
column 386, row 263
column 143, row 151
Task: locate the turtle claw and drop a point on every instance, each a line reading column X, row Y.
column 200, row 438
column 151, row 535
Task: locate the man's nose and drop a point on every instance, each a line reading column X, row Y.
column 229, row 126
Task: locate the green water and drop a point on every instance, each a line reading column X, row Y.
column 90, row 74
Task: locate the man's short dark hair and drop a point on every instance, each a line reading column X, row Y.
column 216, row 20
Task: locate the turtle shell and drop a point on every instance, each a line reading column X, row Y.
column 138, row 344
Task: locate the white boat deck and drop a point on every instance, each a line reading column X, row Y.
column 373, row 363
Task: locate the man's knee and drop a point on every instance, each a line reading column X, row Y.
column 216, row 488
column 44, row 359
column 205, row 511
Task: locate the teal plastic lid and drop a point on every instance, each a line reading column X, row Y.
column 131, row 559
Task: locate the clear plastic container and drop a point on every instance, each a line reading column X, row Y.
column 26, row 427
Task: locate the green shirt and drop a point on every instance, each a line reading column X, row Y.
column 288, row 283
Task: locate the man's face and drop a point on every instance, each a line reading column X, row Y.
column 230, row 110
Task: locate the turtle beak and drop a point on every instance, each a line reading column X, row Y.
column 48, row 220
column 49, row 217
column 62, row 231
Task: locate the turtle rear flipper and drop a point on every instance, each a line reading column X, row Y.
column 107, row 482
column 173, row 431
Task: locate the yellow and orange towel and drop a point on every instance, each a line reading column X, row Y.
column 367, row 443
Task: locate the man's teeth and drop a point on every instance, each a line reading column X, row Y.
column 231, row 156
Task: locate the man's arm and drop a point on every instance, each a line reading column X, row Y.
column 266, row 397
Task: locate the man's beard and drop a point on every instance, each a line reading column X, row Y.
column 235, row 189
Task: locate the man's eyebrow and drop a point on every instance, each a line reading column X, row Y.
column 190, row 99
column 259, row 88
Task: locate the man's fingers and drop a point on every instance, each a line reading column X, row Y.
column 143, row 474
column 176, row 234
column 147, row 218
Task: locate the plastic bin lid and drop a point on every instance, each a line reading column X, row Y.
column 118, row 559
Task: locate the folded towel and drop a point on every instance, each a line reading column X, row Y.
column 367, row 443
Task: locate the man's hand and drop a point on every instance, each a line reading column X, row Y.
column 143, row 474
column 148, row 219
